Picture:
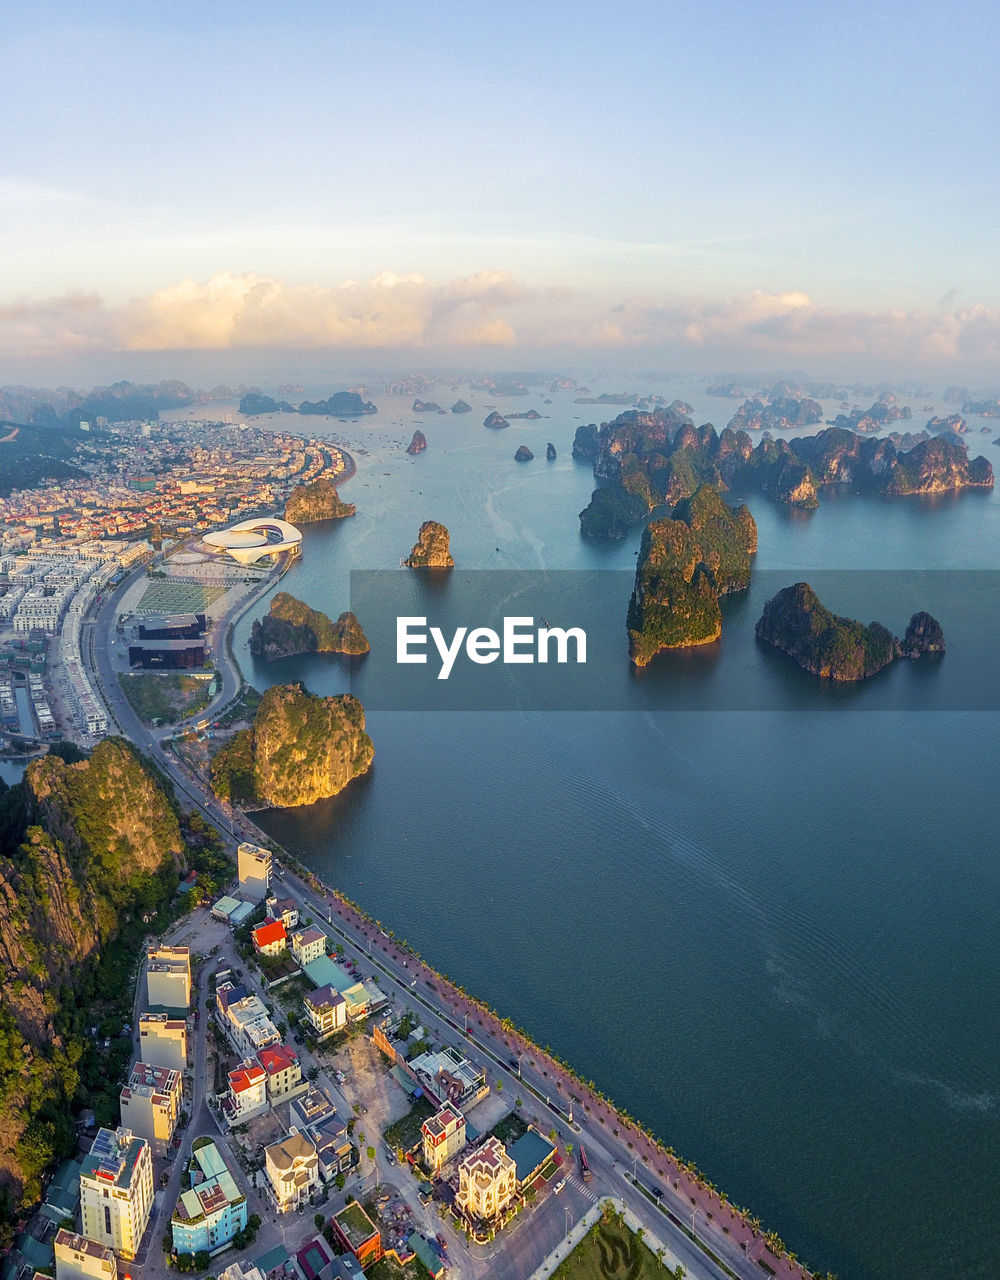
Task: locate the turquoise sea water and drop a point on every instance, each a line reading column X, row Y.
column 769, row 935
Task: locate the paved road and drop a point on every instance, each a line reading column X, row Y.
column 687, row 1208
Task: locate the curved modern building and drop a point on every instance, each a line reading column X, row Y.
column 254, row 540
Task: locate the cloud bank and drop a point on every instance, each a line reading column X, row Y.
column 487, row 310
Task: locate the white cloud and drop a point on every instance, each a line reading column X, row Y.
column 490, row 308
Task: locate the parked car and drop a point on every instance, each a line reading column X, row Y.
column 559, row 1186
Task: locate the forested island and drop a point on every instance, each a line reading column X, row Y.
column 292, row 628
column 685, row 564
column 300, row 749
column 837, row 648
column 317, row 501
column 342, row 404
column 646, row 460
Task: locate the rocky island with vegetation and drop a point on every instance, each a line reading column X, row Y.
column 495, row 421
column 523, row 454
column 418, row 444
column 432, row 549
column 342, row 404
column 646, row 460
column 292, row 628
column 685, row 564
column 300, row 749
column 317, row 501
column 91, row 848
column 837, row 648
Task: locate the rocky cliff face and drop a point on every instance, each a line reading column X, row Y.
column 292, row 628
column 301, row 749
column 837, row 648
column 316, row 501
column 432, row 548
column 649, row 459
column 86, row 847
column 685, row 565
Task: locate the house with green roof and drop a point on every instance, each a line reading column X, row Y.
column 212, row 1212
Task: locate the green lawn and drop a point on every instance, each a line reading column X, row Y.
column 510, row 1128
column 405, row 1133
column 164, row 696
column 611, row 1252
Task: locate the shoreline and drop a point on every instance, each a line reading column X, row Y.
column 691, row 1197
column 701, row 1200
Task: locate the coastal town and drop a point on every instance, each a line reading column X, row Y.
column 66, row 544
column 306, row 1099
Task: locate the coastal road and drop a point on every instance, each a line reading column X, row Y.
column 685, row 1208
column 397, row 972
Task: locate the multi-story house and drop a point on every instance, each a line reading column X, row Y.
column 78, row 1258
column 292, row 1167
column 284, row 1072
column 270, row 939
column 326, row 1010
column 168, row 976
column 210, row 1214
column 308, row 945
column 487, row 1181
column 444, row 1136
column 116, row 1191
column 247, row 1093
column 163, row 1040
column 151, row 1103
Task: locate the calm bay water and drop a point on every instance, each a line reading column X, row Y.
column 769, row 935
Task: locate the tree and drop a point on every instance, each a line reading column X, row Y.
column 201, row 1259
column 370, row 1153
column 318, row 1219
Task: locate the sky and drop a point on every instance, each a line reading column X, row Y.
column 707, row 183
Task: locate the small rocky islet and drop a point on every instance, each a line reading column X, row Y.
column 431, row 550
column 837, row 648
column 317, row 501
column 292, row 628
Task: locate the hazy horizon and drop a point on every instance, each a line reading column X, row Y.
column 689, row 186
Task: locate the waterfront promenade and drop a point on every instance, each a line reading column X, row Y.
column 712, row 1237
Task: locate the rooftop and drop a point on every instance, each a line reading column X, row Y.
column 355, row 1224
column 278, row 1057
column 267, row 934
column 113, row 1158
column 324, row 998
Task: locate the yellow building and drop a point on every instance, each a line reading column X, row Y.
column 444, row 1136
column 487, row 1181
column 168, row 977
column 151, row 1104
column 116, row 1191
column 284, row 1073
column 293, row 1171
column 78, row 1258
column 308, row 945
column 163, row 1041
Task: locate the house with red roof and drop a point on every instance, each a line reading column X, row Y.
column 270, row 939
column 284, row 1073
column 247, row 1093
